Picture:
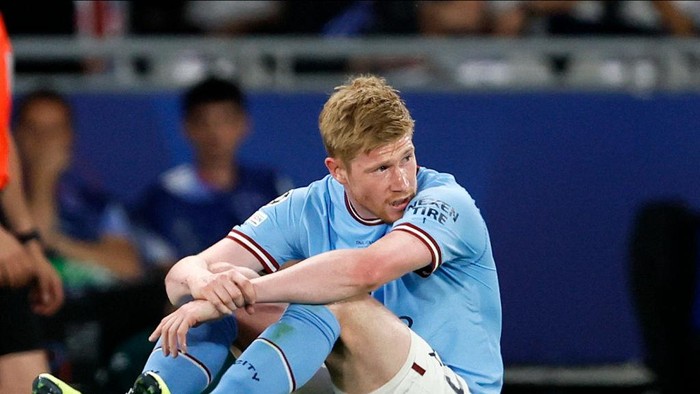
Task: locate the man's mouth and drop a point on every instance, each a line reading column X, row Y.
column 400, row 204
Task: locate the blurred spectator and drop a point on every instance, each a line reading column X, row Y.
column 86, row 232
column 183, row 17
column 334, row 18
column 301, row 17
column 522, row 17
column 232, row 17
column 28, row 283
column 349, row 18
column 89, row 239
column 159, row 18
column 193, row 205
column 611, row 17
column 101, row 18
column 438, row 18
column 619, row 18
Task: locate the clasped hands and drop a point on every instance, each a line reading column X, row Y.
column 218, row 294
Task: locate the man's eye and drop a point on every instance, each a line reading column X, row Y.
column 382, row 168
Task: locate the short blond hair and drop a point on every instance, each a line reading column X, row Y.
column 362, row 115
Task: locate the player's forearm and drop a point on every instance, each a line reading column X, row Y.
column 177, row 284
column 322, row 279
column 12, row 198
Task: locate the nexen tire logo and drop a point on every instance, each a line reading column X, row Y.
column 438, row 210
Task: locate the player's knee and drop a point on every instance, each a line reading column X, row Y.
column 347, row 310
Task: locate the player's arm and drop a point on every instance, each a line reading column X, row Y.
column 47, row 292
column 13, row 199
column 340, row 274
column 15, row 263
column 215, row 274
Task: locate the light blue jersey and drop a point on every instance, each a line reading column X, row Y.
column 453, row 303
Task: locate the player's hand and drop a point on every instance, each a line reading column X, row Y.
column 47, row 294
column 227, row 290
column 16, row 265
column 173, row 328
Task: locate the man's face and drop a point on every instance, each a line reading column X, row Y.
column 216, row 129
column 44, row 134
column 380, row 183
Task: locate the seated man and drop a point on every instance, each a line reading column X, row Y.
column 379, row 224
column 193, row 205
column 88, row 238
column 86, row 231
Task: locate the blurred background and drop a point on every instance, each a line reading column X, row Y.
column 573, row 124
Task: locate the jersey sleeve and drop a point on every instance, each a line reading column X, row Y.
column 271, row 233
column 448, row 222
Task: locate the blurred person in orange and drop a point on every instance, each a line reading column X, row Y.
column 29, row 285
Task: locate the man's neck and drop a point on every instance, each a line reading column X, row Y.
column 221, row 174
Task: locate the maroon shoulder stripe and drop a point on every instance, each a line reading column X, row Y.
column 266, row 260
column 429, row 242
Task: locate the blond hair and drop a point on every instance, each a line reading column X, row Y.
column 362, row 115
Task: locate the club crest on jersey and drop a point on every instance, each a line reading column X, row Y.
column 256, row 218
column 436, row 209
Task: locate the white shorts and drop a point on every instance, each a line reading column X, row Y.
column 423, row 373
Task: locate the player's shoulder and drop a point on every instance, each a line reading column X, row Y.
column 314, row 194
column 428, row 177
column 440, row 192
column 434, row 183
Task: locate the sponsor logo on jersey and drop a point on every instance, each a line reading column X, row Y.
column 435, row 209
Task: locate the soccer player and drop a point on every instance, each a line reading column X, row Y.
column 379, row 224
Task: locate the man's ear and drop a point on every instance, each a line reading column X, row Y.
column 337, row 169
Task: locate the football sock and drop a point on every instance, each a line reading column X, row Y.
column 207, row 348
column 286, row 355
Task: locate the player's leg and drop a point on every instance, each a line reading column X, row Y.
column 374, row 345
column 378, row 353
column 21, row 356
column 208, row 345
column 18, row 370
column 286, row 355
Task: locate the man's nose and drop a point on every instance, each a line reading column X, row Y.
column 399, row 179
